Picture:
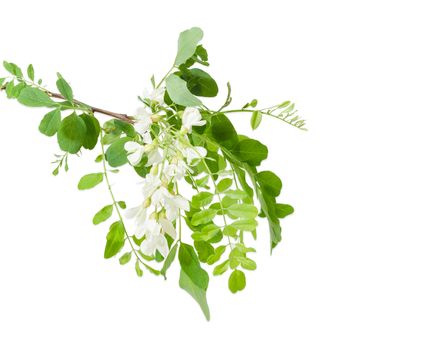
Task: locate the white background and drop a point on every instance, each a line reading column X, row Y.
column 351, row 270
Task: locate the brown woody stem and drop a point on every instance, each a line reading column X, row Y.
column 121, row 116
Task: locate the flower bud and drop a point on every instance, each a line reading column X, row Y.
column 155, row 118
column 154, row 169
column 147, row 202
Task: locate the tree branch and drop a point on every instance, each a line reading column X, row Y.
column 121, row 116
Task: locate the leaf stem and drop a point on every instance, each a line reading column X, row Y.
column 116, row 206
column 283, row 119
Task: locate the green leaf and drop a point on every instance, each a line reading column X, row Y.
column 256, row 119
column 201, row 199
column 193, row 278
column 122, row 204
column 230, row 231
column 115, row 240
column 71, row 133
column 33, row 97
column 179, row 93
column 252, row 104
column 138, row 269
column 64, row 88
column 207, row 233
column 203, row 217
column 116, row 154
column 127, row 128
column 30, row 72
column 50, row 123
column 213, row 258
column 284, row 104
column 245, row 211
column 93, row 130
column 248, row 264
column 283, row 210
column 103, row 215
column 10, row 89
column 90, row 181
column 245, row 224
column 269, row 182
column 200, row 83
column 268, row 207
column 18, row 89
column 224, row 185
column 222, row 131
column 236, row 194
column 221, row 268
column 202, row 53
column 250, row 151
column 125, row 258
column 204, row 250
column 237, row 281
column 152, row 270
column 12, row 68
column 169, row 260
column 202, row 182
column 187, row 44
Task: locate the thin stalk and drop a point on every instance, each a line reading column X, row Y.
column 116, row 206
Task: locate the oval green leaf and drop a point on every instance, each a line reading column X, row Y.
column 203, row 217
column 90, row 181
column 187, row 44
column 116, row 154
column 50, row 123
column 179, row 93
column 115, row 240
column 92, row 131
column 64, row 88
column 237, row 281
column 103, row 215
column 251, row 151
column 33, row 97
column 71, row 133
column 245, row 224
column 256, row 119
column 245, row 211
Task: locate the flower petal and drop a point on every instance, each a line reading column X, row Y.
column 135, row 157
column 168, row 227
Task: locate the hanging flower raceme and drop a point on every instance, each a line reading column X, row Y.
column 200, row 193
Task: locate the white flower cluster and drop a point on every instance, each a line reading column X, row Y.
column 169, row 156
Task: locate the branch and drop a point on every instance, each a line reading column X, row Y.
column 121, row 116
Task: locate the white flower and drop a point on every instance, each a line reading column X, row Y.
column 167, row 226
column 190, row 118
column 135, row 152
column 153, row 154
column 146, row 138
column 150, row 184
column 159, row 196
column 154, row 239
column 175, row 203
column 176, row 170
column 143, row 121
column 139, row 215
column 192, row 153
column 157, row 95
